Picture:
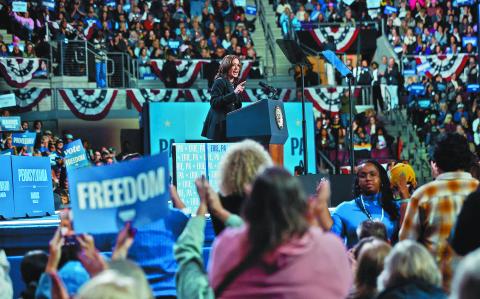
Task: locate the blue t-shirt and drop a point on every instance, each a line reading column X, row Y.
column 152, row 249
column 348, row 216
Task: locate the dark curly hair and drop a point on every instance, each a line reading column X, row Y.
column 387, row 200
column 451, row 153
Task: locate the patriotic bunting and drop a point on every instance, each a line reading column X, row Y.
column 344, row 36
column 18, row 71
column 89, row 104
column 444, row 65
column 27, row 98
column 325, row 99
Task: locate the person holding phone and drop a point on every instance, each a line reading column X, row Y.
column 225, row 97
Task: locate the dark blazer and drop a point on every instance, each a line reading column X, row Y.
column 223, row 100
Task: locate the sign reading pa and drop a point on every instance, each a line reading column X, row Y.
column 104, row 198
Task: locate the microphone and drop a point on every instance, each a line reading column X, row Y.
column 268, row 87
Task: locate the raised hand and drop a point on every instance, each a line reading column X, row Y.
column 240, row 87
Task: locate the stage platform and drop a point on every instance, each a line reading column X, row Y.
column 19, row 236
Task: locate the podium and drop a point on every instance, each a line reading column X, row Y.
column 263, row 121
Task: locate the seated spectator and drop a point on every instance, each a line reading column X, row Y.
column 32, row 266
column 369, row 228
column 410, row 272
column 143, row 63
column 6, row 288
column 369, row 265
column 289, row 248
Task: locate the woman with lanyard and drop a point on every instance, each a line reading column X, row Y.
column 373, row 201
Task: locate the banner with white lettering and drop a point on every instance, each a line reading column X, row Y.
column 7, row 100
column 19, row 6
column 24, row 139
column 75, row 155
column 32, row 182
column 6, row 188
column 10, row 123
column 104, row 198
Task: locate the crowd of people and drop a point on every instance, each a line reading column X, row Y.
column 393, row 239
column 144, row 30
column 52, row 146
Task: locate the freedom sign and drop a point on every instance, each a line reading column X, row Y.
column 104, row 198
column 75, row 155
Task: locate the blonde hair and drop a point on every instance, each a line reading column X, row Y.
column 409, row 260
column 123, row 280
column 240, row 165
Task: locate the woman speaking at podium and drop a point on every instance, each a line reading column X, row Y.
column 225, row 97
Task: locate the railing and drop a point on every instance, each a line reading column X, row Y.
column 72, row 58
column 270, row 40
column 363, row 24
column 325, row 161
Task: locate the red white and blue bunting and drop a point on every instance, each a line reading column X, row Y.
column 95, row 104
column 188, row 70
column 89, row 104
column 18, row 72
column 344, row 36
column 139, row 96
column 27, row 98
column 326, row 99
column 444, row 65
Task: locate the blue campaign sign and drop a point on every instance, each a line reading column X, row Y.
column 32, row 185
column 111, row 3
column 463, row 2
column 469, row 40
column 50, row 4
column 171, row 123
column 10, row 123
column 388, row 10
column 8, row 100
column 75, row 155
column 251, row 10
column 104, row 198
column 7, row 152
column 6, row 188
column 24, row 139
column 19, row 6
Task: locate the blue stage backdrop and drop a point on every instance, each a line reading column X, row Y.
column 6, row 188
column 32, row 185
column 135, row 191
column 171, row 123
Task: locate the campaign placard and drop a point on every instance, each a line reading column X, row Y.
column 10, row 123
column 388, row 10
column 75, row 155
column 24, row 139
column 6, row 188
column 19, row 6
column 104, row 198
column 32, row 185
column 49, row 4
column 8, row 100
column 251, row 10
